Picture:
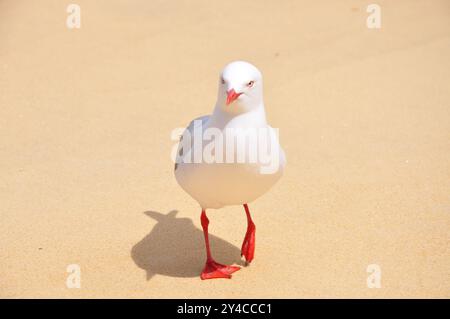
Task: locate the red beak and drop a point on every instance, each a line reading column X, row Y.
column 231, row 96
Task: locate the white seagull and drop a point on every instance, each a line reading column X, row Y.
column 225, row 180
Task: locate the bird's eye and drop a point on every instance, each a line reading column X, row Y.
column 222, row 81
column 250, row 84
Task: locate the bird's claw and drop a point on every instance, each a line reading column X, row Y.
column 215, row 270
column 248, row 246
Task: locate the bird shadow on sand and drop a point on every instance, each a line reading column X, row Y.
column 175, row 247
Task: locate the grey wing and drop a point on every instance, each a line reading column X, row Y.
column 184, row 149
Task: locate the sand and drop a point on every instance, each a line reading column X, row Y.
column 86, row 177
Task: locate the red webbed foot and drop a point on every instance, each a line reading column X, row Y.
column 215, row 270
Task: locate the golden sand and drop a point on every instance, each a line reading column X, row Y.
column 86, row 176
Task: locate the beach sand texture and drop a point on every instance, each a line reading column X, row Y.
column 86, row 176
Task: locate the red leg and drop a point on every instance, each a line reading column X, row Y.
column 248, row 246
column 213, row 269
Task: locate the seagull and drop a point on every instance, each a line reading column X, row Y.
column 235, row 179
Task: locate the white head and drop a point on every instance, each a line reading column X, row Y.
column 240, row 88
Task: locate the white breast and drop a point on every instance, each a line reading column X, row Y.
column 215, row 185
